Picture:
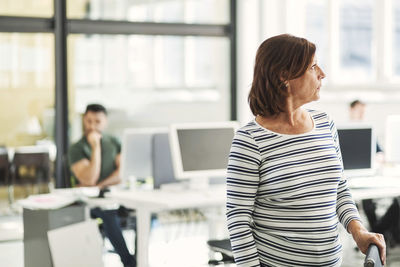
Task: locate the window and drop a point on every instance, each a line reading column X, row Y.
column 26, row 8
column 396, row 37
column 358, row 41
column 150, row 80
column 27, row 88
column 355, row 41
column 317, row 29
column 166, row 11
column 143, row 75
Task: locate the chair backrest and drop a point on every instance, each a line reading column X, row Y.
column 69, row 178
column 4, row 167
column 31, row 167
column 163, row 172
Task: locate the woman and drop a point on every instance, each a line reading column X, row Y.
column 285, row 187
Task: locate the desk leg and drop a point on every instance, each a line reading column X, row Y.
column 143, row 237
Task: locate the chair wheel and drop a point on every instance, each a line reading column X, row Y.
column 214, row 262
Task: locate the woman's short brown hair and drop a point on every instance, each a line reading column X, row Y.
column 279, row 59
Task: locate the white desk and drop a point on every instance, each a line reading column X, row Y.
column 147, row 202
column 374, row 187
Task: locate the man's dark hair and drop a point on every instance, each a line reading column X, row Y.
column 279, row 59
column 96, row 108
column 356, row 102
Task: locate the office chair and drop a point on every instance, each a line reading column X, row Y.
column 5, row 175
column 69, row 179
column 372, row 258
column 162, row 168
column 223, row 247
column 31, row 167
column 4, row 167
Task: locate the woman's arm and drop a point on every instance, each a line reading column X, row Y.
column 242, row 186
column 348, row 213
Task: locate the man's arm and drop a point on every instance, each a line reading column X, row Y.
column 88, row 171
column 114, row 177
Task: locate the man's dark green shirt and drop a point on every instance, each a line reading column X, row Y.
column 110, row 148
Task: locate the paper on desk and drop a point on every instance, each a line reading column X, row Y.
column 79, row 192
column 46, row 201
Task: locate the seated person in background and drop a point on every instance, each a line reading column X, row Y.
column 357, row 112
column 94, row 161
column 388, row 224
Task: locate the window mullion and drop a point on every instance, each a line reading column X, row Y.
column 383, row 32
column 333, row 40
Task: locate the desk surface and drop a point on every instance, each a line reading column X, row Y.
column 374, row 187
column 173, row 199
column 361, row 188
column 147, row 202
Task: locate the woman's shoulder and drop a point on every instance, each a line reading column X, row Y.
column 319, row 115
column 250, row 128
column 253, row 130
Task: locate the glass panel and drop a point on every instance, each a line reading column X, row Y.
column 317, row 29
column 396, row 37
column 149, row 80
column 355, row 33
column 27, row 88
column 27, row 8
column 179, row 11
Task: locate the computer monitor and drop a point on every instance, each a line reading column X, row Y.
column 136, row 153
column 201, row 150
column 358, row 147
column 392, row 139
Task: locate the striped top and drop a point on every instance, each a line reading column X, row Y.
column 286, row 195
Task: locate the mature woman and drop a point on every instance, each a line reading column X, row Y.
column 285, row 187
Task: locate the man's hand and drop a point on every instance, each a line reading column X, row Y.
column 94, row 138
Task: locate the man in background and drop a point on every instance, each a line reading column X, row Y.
column 95, row 161
column 357, row 111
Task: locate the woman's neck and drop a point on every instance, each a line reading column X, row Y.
column 294, row 121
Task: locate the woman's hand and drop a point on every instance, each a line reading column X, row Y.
column 364, row 238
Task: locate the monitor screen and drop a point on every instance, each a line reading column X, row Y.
column 136, row 154
column 358, row 147
column 201, row 149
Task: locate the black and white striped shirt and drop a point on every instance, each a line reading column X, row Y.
column 286, row 195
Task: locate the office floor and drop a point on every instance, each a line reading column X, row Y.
column 172, row 243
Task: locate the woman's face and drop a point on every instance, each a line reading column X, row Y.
column 306, row 88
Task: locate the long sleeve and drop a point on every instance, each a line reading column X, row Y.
column 242, row 185
column 345, row 207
